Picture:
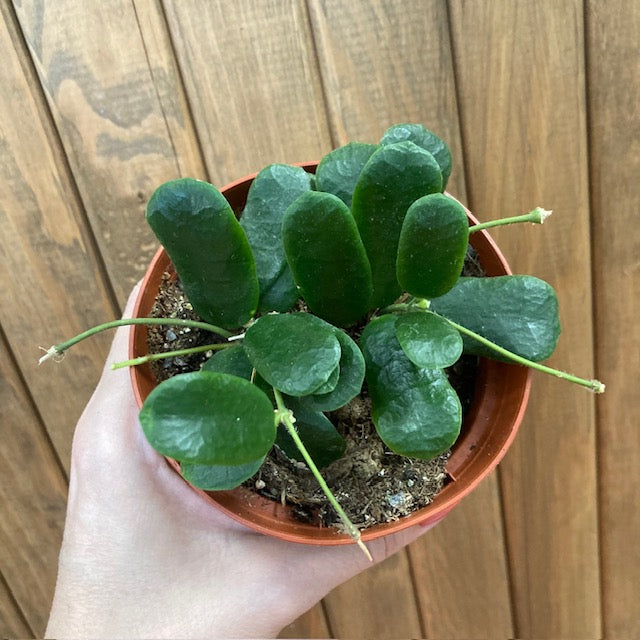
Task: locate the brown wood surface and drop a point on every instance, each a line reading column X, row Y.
column 614, row 116
column 100, row 102
column 521, row 70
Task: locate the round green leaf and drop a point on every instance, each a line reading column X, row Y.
column 519, row 313
column 271, row 192
column 331, row 383
column 232, row 360
column 425, row 139
column 327, row 257
column 208, row 248
column 395, row 176
column 219, row 477
column 349, row 385
column 319, row 436
column 432, row 247
column 294, row 352
column 208, row 418
column 415, row 410
column 428, row 340
column 339, row 170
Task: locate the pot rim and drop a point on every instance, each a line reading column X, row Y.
column 480, row 448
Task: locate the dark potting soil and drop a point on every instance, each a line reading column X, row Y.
column 372, row 484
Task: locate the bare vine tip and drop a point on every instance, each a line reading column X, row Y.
column 540, row 215
column 597, row 386
column 50, row 353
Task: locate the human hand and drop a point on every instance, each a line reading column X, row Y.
column 143, row 555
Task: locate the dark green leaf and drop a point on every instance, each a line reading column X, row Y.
column 219, row 477
column 433, row 244
column 323, row 443
column 395, row 176
column 425, row 139
column 293, row 352
column 331, row 383
column 232, row 360
column 519, row 313
column 339, row 170
column 272, row 191
column 208, row 248
column 349, row 383
column 327, row 257
column 428, row 340
column 209, row 418
column 416, row 411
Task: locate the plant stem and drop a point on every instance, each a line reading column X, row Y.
column 285, row 416
column 593, row 385
column 537, row 216
column 169, row 354
column 59, row 349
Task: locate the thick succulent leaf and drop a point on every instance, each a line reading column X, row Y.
column 209, row 418
column 319, row 436
column 232, row 360
column 294, row 352
column 349, row 385
column 272, row 191
column 433, row 244
column 208, row 248
column 428, row 340
column 415, row 410
column 424, row 138
column 395, row 176
column 219, row 477
column 339, row 170
column 327, row 257
column 331, row 383
column 519, row 313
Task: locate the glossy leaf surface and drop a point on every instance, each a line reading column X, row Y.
column 327, row 258
column 295, row 352
column 232, row 360
column 428, row 340
column 432, row 247
column 319, row 436
column 339, row 170
column 219, row 477
column 415, row 410
column 424, row 138
column 519, row 313
column 208, row 418
column 272, row 191
column 395, row 176
column 349, row 385
column 208, row 248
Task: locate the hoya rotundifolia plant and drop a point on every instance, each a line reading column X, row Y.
column 370, row 242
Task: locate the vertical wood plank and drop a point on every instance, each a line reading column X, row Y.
column 384, row 63
column 12, row 622
column 312, row 624
column 520, row 69
column 55, row 288
column 120, row 115
column 250, row 74
column 614, row 99
column 32, row 500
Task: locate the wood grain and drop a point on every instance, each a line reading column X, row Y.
column 12, row 622
column 121, row 118
column 55, row 288
column 614, row 99
column 384, row 63
column 252, row 82
column 312, row 624
column 32, row 501
column 520, row 69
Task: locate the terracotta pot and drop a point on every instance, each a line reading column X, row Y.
column 501, row 395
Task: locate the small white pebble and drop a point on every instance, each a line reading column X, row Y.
column 260, row 484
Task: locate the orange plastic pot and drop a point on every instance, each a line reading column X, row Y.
column 489, row 427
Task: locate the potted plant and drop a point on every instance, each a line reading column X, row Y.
column 333, row 289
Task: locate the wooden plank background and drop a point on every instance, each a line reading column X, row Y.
column 539, row 100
